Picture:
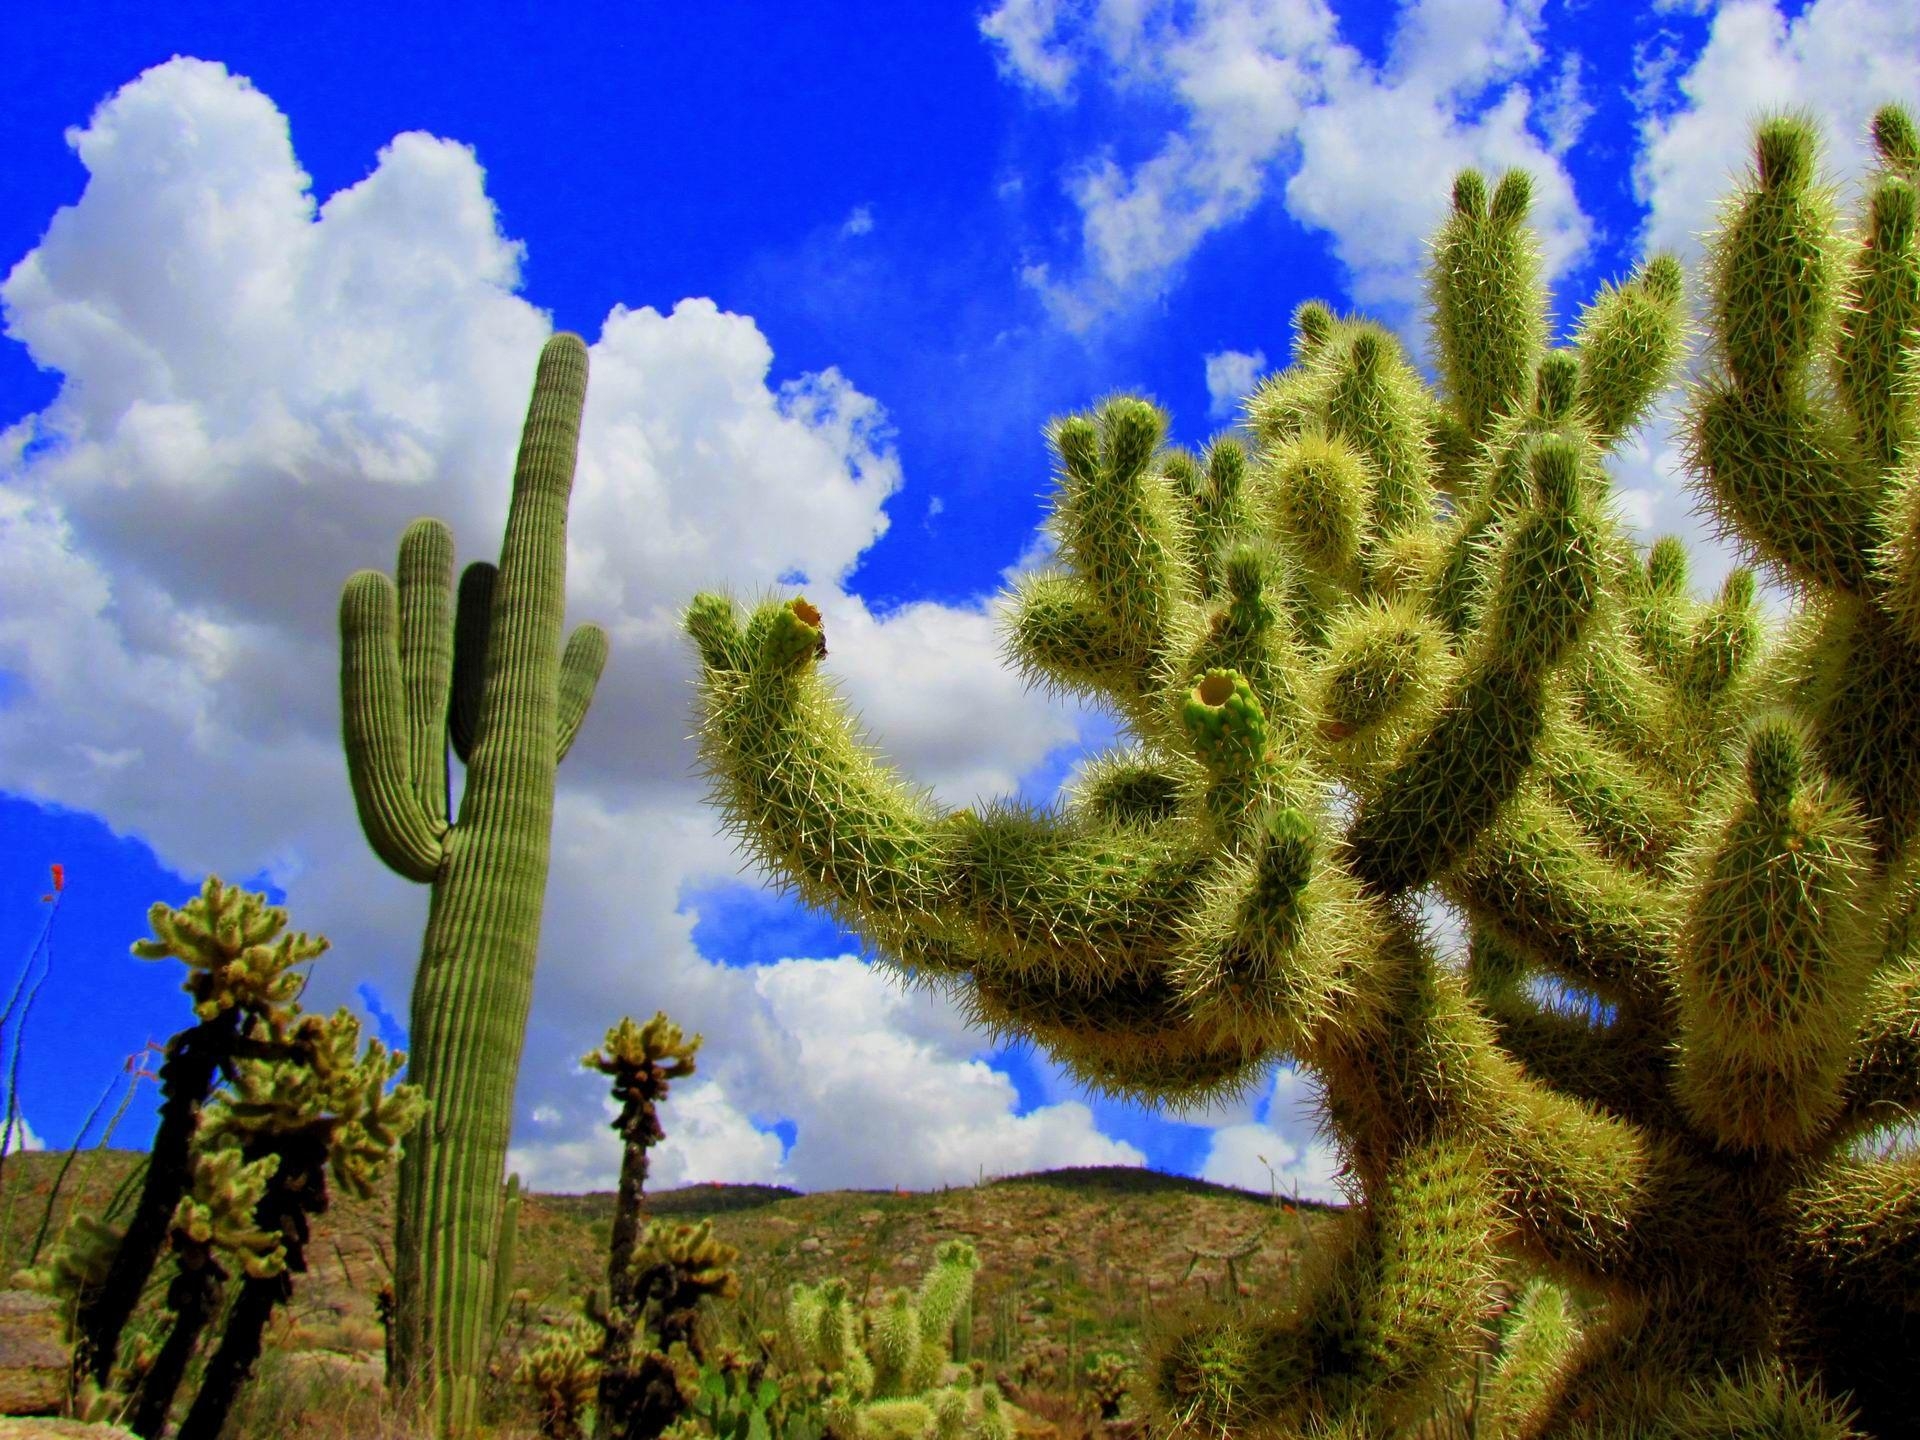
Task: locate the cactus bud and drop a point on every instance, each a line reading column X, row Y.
column 1554, row 385
column 1512, row 197
column 1555, row 467
column 1667, row 566
column 1776, row 755
column 1470, row 195
column 1312, row 325
column 796, row 636
column 1890, row 222
column 1784, row 153
column 1895, row 140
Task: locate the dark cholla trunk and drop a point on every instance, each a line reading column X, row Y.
column 297, row 1190
column 186, row 1079
column 620, row 1402
column 193, row 1297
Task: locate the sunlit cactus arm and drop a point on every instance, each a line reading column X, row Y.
column 1878, row 353
column 1784, row 471
column 1489, row 303
column 1534, row 880
column 1628, row 340
column 1773, row 960
column 1539, row 1340
column 1390, row 1313
column 1122, row 528
column 1378, row 405
column 1429, row 809
column 1630, row 819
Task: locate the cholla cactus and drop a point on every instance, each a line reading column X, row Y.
column 674, row 1268
column 242, row 987
column 886, row 1372
column 1398, row 649
column 322, row 1107
column 643, row 1061
column 563, row 1371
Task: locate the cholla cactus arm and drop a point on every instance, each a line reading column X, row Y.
column 1537, row 1345
column 1489, row 305
column 1430, row 808
column 1628, row 340
column 1774, row 960
column 1783, row 470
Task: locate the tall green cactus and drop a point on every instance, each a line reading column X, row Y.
column 415, row 673
column 1345, row 695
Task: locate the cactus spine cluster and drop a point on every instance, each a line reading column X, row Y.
column 489, row 676
column 1399, row 647
column 885, row 1371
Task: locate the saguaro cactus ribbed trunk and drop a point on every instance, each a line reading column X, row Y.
column 491, row 678
column 1345, row 695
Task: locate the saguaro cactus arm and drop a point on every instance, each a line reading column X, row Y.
column 381, row 763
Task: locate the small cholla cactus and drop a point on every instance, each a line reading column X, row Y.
column 643, row 1061
column 242, row 986
column 886, row 1370
column 563, row 1371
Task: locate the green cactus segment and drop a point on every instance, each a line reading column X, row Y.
column 488, row 675
column 887, row 1368
column 506, row 1256
column 1629, row 340
column 1773, row 968
column 1786, row 471
column 1489, row 302
column 373, row 705
column 1343, row 701
column 1537, row 1347
column 1379, row 407
column 1118, row 524
column 1387, row 1317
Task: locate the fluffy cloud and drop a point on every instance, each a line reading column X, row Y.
column 1230, row 376
column 228, row 446
column 1268, row 88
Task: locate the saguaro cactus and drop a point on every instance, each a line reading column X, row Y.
column 491, row 678
column 1345, row 696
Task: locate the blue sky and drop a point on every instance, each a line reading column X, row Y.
column 275, row 283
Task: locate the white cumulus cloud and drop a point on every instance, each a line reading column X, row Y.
column 1271, row 97
column 1230, row 376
